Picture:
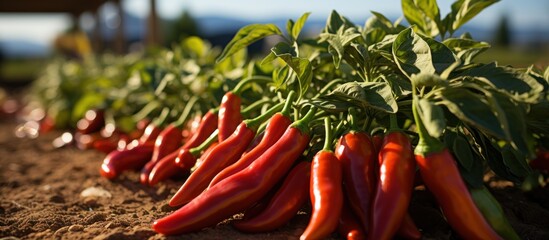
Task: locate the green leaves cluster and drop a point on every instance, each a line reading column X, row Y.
column 486, row 113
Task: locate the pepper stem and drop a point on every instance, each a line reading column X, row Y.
column 329, row 134
column 159, row 121
column 240, row 86
column 257, row 104
column 256, row 122
column 186, row 112
column 288, row 106
column 209, row 141
column 303, row 124
column 426, row 144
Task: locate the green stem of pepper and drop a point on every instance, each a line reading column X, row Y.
column 303, row 124
column 240, row 86
column 256, row 122
column 254, row 106
column 209, row 141
column 161, row 119
column 426, row 144
column 328, row 86
column 289, row 102
column 329, row 137
column 186, row 112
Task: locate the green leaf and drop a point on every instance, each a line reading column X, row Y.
column 194, row 45
column 296, row 28
column 301, row 66
column 339, row 41
column 515, row 162
column 246, row 36
column 401, row 87
column 520, row 85
column 334, row 22
column 465, row 10
column 463, row 152
column 280, row 75
column 441, row 55
column 473, row 109
column 289, row 26
column 376, row 95
column 412, row 54
column 332, row 105
column 466, row 49
column 380, row 96
column 515, row 116
column 381, row 21
column 413, row 14
column 86, row 102
column 430, row 9
column 546, row 73
column 427, row 80
column 432, row 117
column 269, row 58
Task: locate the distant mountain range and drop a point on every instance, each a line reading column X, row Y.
column 212, row 26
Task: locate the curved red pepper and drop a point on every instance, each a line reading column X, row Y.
column 441, row 176
column 226, row 153
column 92, row 121
column 164, row 169
column 326, row 196
column 150, row 134
column 356, row 154
column 118, row 161
column 106, row 145
column 541, row 162
column 275, row 128
column 168, row 140
column 394, row 186
column 229, row 115
column 349, row 226
column 207, row 126
column 285, row 203
column 186, row 160
column 239, row 191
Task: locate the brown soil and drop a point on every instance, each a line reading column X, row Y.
column 40, row 198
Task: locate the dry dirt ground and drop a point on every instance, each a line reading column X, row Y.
column 41, row 198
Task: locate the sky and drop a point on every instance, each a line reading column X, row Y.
column 43, row 28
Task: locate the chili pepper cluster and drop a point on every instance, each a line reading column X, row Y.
column 344, row 125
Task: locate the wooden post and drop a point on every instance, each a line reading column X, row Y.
column 153, row 37
column 97, row 36
column 120, row 38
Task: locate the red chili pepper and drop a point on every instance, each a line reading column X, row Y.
column 441, row 176
column 541, row 162
column 118, row 161
column 326, row 196
column 229, row 115
column 276, row 127
column 106, row 145
column 408, row 229
column 377, row 141
column 92, row 121
column 284, row 205
column 239, row 191
column 167, row 142
column 165, row 168
column 226, row 153
column 349, row 226
column 394, row 186
column 356, row 154
column 150, row 134
column 207, row 126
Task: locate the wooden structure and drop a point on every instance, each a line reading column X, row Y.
column 77, row 8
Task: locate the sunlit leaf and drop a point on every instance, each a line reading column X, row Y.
column 412, row 54
column 246, row 36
